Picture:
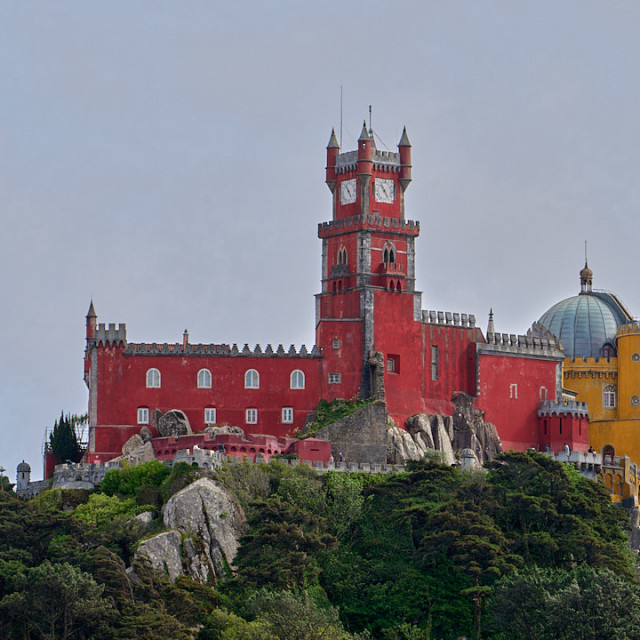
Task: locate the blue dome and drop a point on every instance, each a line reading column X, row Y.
column 584, row 324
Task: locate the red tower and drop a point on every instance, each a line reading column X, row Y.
column 368, row 262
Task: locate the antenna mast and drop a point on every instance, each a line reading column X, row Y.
column 340, row 116
column 370, row 126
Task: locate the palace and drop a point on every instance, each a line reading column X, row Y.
column 373, row 340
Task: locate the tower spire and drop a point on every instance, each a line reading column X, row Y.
column 490, row 327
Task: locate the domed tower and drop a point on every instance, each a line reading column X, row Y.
column 23, row 477
column 587, row 324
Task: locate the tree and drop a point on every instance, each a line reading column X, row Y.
column 63, row 440
column 59, row 601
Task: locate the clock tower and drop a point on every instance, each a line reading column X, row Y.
column 368, row 261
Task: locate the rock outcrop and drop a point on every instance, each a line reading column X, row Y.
column 360, row 436
column 205, row 523
column 464, row 430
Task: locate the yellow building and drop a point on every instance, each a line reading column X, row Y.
column 601, row 342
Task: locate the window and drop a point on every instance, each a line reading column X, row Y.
column 251, row 416
column 143, row 415
column 251, row 379
column 153, row 379
column 543, row 394
column 434, row 362
column 609, row 396
column 336, row 344
column 393, row 363
column 287, row 415
column 297, row 379
column 513, row 391
column 342, row 255
column 204, row 379
column 389, row 253
column 210, row 416
column 334, row 378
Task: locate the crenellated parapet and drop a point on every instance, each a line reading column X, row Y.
column 109, row 336
column 449, row 319
column 216, row 350
column 566, row 408
column 629, row 329
column 529, row 345
column 373, row 222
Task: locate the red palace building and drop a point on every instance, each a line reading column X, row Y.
column 368, row 304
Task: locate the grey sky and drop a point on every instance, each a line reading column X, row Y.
column 167, row 159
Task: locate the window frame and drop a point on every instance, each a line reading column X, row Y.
column 207, row 413
column 153, row 378
column 287, row 415
column 204, row 379
column 335, row 378
column 143, row 415
column 251, row 379
column 299, row 382
column 609, row 396
column 251, row 415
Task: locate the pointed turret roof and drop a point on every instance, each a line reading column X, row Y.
column 364, row 135
column 404, row 140
column 333, row 141
column 92, row 312
column 490, row 327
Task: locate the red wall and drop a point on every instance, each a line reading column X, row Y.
column 515, row 417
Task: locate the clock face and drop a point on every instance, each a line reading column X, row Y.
column 348, row 190
column 385, row 190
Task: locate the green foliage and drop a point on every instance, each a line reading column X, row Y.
column 247, row 481
column 63, row 439
column 133, row 480
column 584, row 603
column 328, row 412
column 102, row 508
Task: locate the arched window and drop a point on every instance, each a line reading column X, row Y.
column 543, row 394
column 609, row 396
column 342, row 255
column 204, row 379
column 608, row 351
column 389, row 253
column 251, row 379
column 608, row 453
column 153, row 379
column 297, row 379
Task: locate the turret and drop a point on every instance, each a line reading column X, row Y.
column 586, row 279
column 91, row 322
column 23, row 477
column 404, row 147
column 332, row 153
column 365, row 168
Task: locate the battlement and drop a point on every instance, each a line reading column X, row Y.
column 110, row 336
column 347, row 161
column 449, row 319
column 629, row 329
column 531, row 345
column 376, row 222
column 214, row 350
column 566, row 408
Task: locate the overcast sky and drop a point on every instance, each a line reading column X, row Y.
column 167, row 160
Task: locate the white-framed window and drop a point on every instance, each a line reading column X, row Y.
column 543, row 394
column 287, row 415
column 609, row 396
column 251, row 379
column 513, row 391
column 297, row 379
column 251, row 416
column 210, row 415
column 153, row 379
column 143, row 415
column 336, row 343
column 204, row 379
column 335, row 378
